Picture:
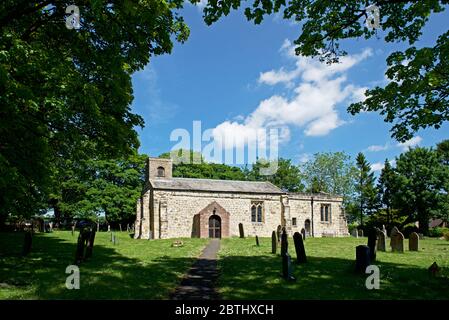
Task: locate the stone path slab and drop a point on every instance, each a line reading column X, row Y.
column 198, row 283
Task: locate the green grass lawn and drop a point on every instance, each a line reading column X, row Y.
column 131, row 269
column 250, row 272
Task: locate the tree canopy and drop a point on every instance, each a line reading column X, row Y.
column 66, row 93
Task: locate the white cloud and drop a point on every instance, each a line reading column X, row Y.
column 317, row 90
column 378, row 166
column 413, row 142
column 377, row 148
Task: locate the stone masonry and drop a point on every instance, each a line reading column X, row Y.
column 179, row 207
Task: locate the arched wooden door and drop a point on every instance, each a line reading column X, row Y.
column 214, row 227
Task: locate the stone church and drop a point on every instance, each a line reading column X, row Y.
column 183, row 207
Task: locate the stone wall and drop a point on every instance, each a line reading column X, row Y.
column 171, row 214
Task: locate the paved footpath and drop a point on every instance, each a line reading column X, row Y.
column 198, row 283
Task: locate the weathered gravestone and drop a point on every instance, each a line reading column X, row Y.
column 354, row 233
column 299, row 248
column 384, row 230
column 287, row 271
column 397, row 242
column 372, row 244
column 303, row 233
column 90, row 243
column 81, row 246
column 27, row 242
column 257, row 241
column 360, row 233
column 362, row 258
column 284, row 243
column 242, row 234
column 274, row 243
column 413, row 242
column 278, row 233
column 381, row 240
column 109, row 228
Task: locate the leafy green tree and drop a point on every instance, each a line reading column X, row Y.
column 66, row 93
column 96, row 187
column 386, row 189
column 443, row 151
column 202, row 170
column 331, row 173
column 417, row 94
column 287, row 176
column 420, row 187
column 366, row 190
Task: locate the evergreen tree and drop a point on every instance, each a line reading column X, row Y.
column 385, row 186
column 367, row 193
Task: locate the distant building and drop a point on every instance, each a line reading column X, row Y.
column 437, row 223
column 182, row 207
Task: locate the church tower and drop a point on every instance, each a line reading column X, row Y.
column 157, row 168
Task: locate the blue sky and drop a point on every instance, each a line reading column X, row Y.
column 235, row 76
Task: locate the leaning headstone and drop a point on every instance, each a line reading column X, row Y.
column 397, row 242
column 257, row 241
column 381, row 240
column 299, row 248
column 360, row 232
column 393, row 233
column 278, row 233
column 80, row 247
column 27, row 243
column 242, row 234
column 303, row 233
column 287, row 271
column 362, row 260
column 284, row 243
column 274, row 243
column 90, row 244
column 372, row 244
column 413, row 242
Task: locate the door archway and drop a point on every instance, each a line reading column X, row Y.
column 214, row 226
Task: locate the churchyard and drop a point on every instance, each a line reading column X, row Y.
column 142, row 269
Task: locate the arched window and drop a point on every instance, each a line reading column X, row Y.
column 161, row 172
column 257, row 211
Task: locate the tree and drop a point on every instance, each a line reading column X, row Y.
column 417, row 95
column 367, row 193
column 443, row 152
column 66, row 94
column 420, row 187
column 93, row 187
column 287, row 176
column 331, row 173
column 385, row 187
column 201, row 169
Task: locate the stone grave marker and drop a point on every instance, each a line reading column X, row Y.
column 354, row 233
column 381, row 240
column 257, row 241
column 360, row 233
column 397, row 242
column 413, row 242
column 278, row 233
column 362, row 260
column 287, row 270
column 372, row 244
column 90, row 243
column 284, row 243
column 299, row 248
column 242, row 234
column 303, row 233
column 274, row 242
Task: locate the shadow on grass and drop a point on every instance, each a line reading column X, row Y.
column 259, row 277
column 107, row 275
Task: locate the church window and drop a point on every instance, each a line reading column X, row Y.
column 161, row 172
column 294, row 222
column 325, row 212
column 257, row 211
